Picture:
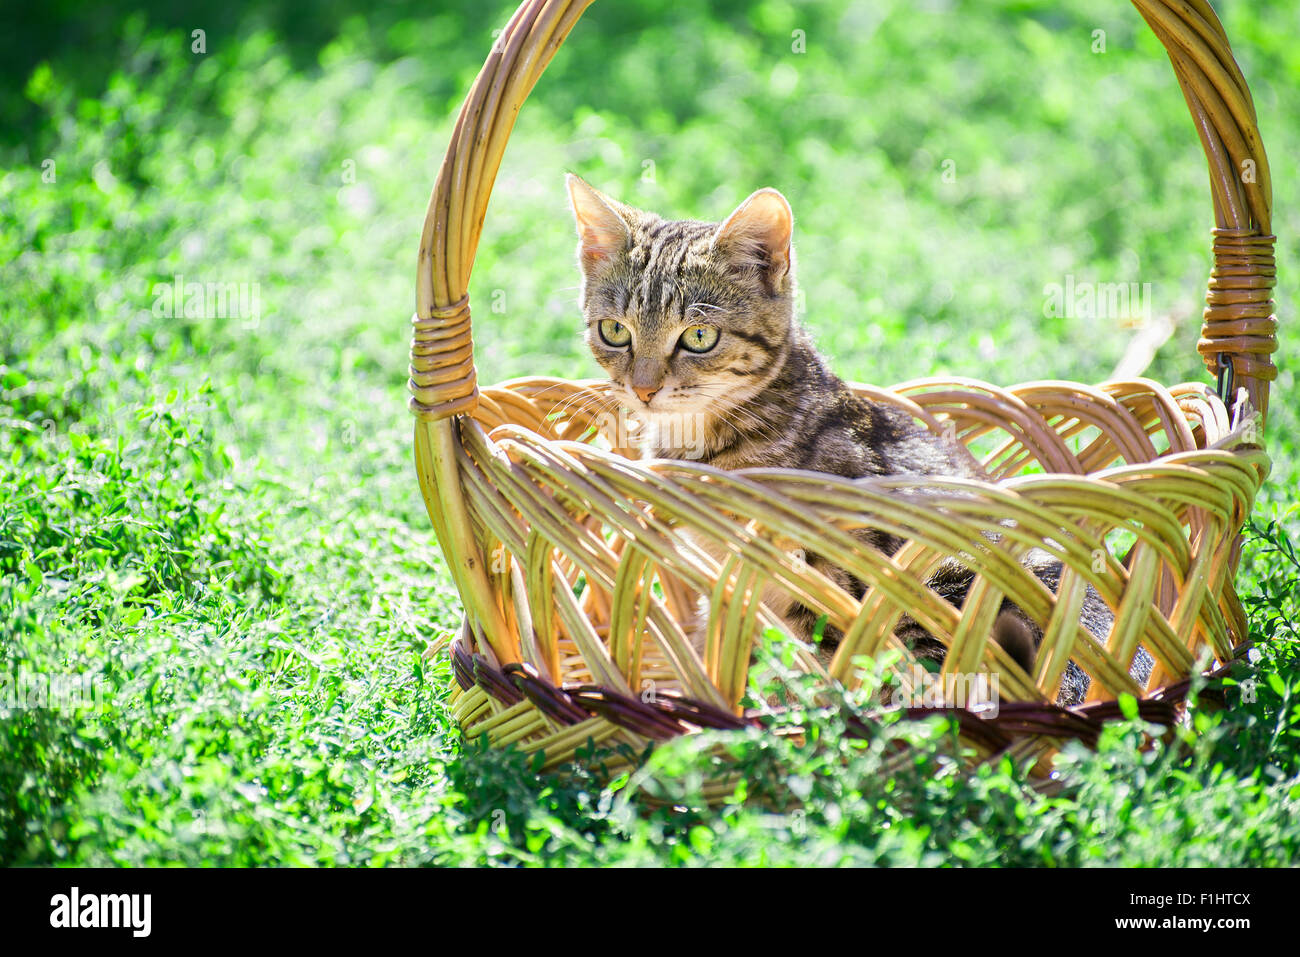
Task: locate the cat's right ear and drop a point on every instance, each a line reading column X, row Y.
column 602, row 231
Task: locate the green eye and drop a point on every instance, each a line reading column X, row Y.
column 614, row 333
column 700, row 338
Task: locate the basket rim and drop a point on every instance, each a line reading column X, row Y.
column 1228, row 445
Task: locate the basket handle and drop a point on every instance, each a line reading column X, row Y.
column 1239, row 328
column 443, row 382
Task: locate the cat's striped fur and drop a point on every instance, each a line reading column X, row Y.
column 760, row 395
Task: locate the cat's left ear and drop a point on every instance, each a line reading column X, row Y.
column 758, row 235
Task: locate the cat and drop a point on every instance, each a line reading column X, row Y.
column 694, row 323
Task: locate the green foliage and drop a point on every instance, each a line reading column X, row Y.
column 216, row 518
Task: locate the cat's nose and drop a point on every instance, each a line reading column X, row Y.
column 646, row 392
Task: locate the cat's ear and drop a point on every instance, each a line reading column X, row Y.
column 602, row 229
column 758, row 235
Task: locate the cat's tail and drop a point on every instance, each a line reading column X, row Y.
column 1016, row 637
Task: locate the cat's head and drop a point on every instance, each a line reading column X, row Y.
column 686, row 317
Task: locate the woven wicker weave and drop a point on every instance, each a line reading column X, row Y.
column 576, row 577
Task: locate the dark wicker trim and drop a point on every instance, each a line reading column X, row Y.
column 661, row 716
column 473, row 669
column 665, row 716
column 549, row 700
column 462, row 666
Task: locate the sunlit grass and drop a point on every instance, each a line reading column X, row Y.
column 218, row 516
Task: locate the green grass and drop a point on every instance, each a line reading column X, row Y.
column 219, row 518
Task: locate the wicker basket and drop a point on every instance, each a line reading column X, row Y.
column 569, row 555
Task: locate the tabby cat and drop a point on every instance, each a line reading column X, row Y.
column 695, row 323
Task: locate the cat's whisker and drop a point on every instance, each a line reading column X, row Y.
column 580, row 406
column 596, row 408
column 742, row 420
column 562, row 384
column 699, row 307
column 751, row 424
column 563, row 412
column 729, row 414
column 599, row 388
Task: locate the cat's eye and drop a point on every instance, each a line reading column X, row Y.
column 614, row 333
column 699, row 338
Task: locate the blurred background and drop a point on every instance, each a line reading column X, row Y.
column 246, row 471
column 947, row 162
